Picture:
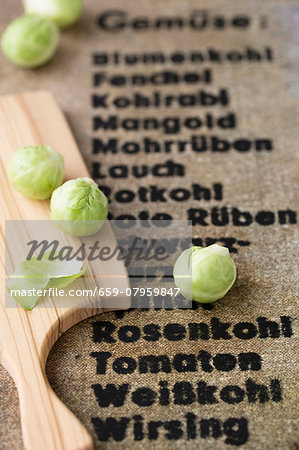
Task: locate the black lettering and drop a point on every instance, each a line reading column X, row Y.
column 205, row 358
column 219, row 329
column 151, row 146
column 244, row 330
column 205, row 393
column 263, row 144
column 183, row 393
column 130, row 124
column 219, row 216
column 112, row 21
column 286, row 326
column 224, row 362
column 111, row 394
column 174, row 428
column 138, row 428
column 198, row 331
column 152, row 332
column 236, row 431
column 184, row 363
column 144, row 396
column 179, row 195
column 199, row 144
column 154, row 364
column 287, row 216
column 109, row 124
column 169, row 23
column 256, row 391
column 232, row 394
column 174, row 332
column 241, row 22
column 140, row 172
column 242, row 145
column 121, row 102
column 153, row 429
column 268, row 328
column 191, row 426
column 219, row 145
column 129, row 333
column 275, row 388
column 110, row 428
column 102, row 331
column 157, row 194
column 164, row 397
column 98, row 146
column 100, row 101
column 168, row 169
column 197, row 216
column 124, row 365
column 98, row 60
column 210, row 427
column 102, row 358
column 250, row 361
column 131, row 148
column 201, row 193
column 125, row 196
column 265, row 218
column 241, row 218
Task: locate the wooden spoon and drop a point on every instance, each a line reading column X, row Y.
column 26, row 337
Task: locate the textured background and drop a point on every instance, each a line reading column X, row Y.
column 265, row 97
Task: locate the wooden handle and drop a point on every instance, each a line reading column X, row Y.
column 34, row 118
column 47, row 424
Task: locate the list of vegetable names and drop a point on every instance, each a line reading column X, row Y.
column 188, row 124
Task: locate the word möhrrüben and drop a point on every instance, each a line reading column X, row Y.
column 196, row 143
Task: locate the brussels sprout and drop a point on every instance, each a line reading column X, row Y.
column 36, row 171
column 79, row 207
column 63, row 12
column 204, row 274
column 30, row 41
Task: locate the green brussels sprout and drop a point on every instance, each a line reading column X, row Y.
column 36, row 171
column 79, row 207
column 63, row 12
column 30, row 41
column 204, row 274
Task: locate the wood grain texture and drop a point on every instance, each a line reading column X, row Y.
column 26, row 337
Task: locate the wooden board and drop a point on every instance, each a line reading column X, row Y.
column 26, row 337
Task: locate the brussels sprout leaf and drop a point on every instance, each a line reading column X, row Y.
column 37, row 275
